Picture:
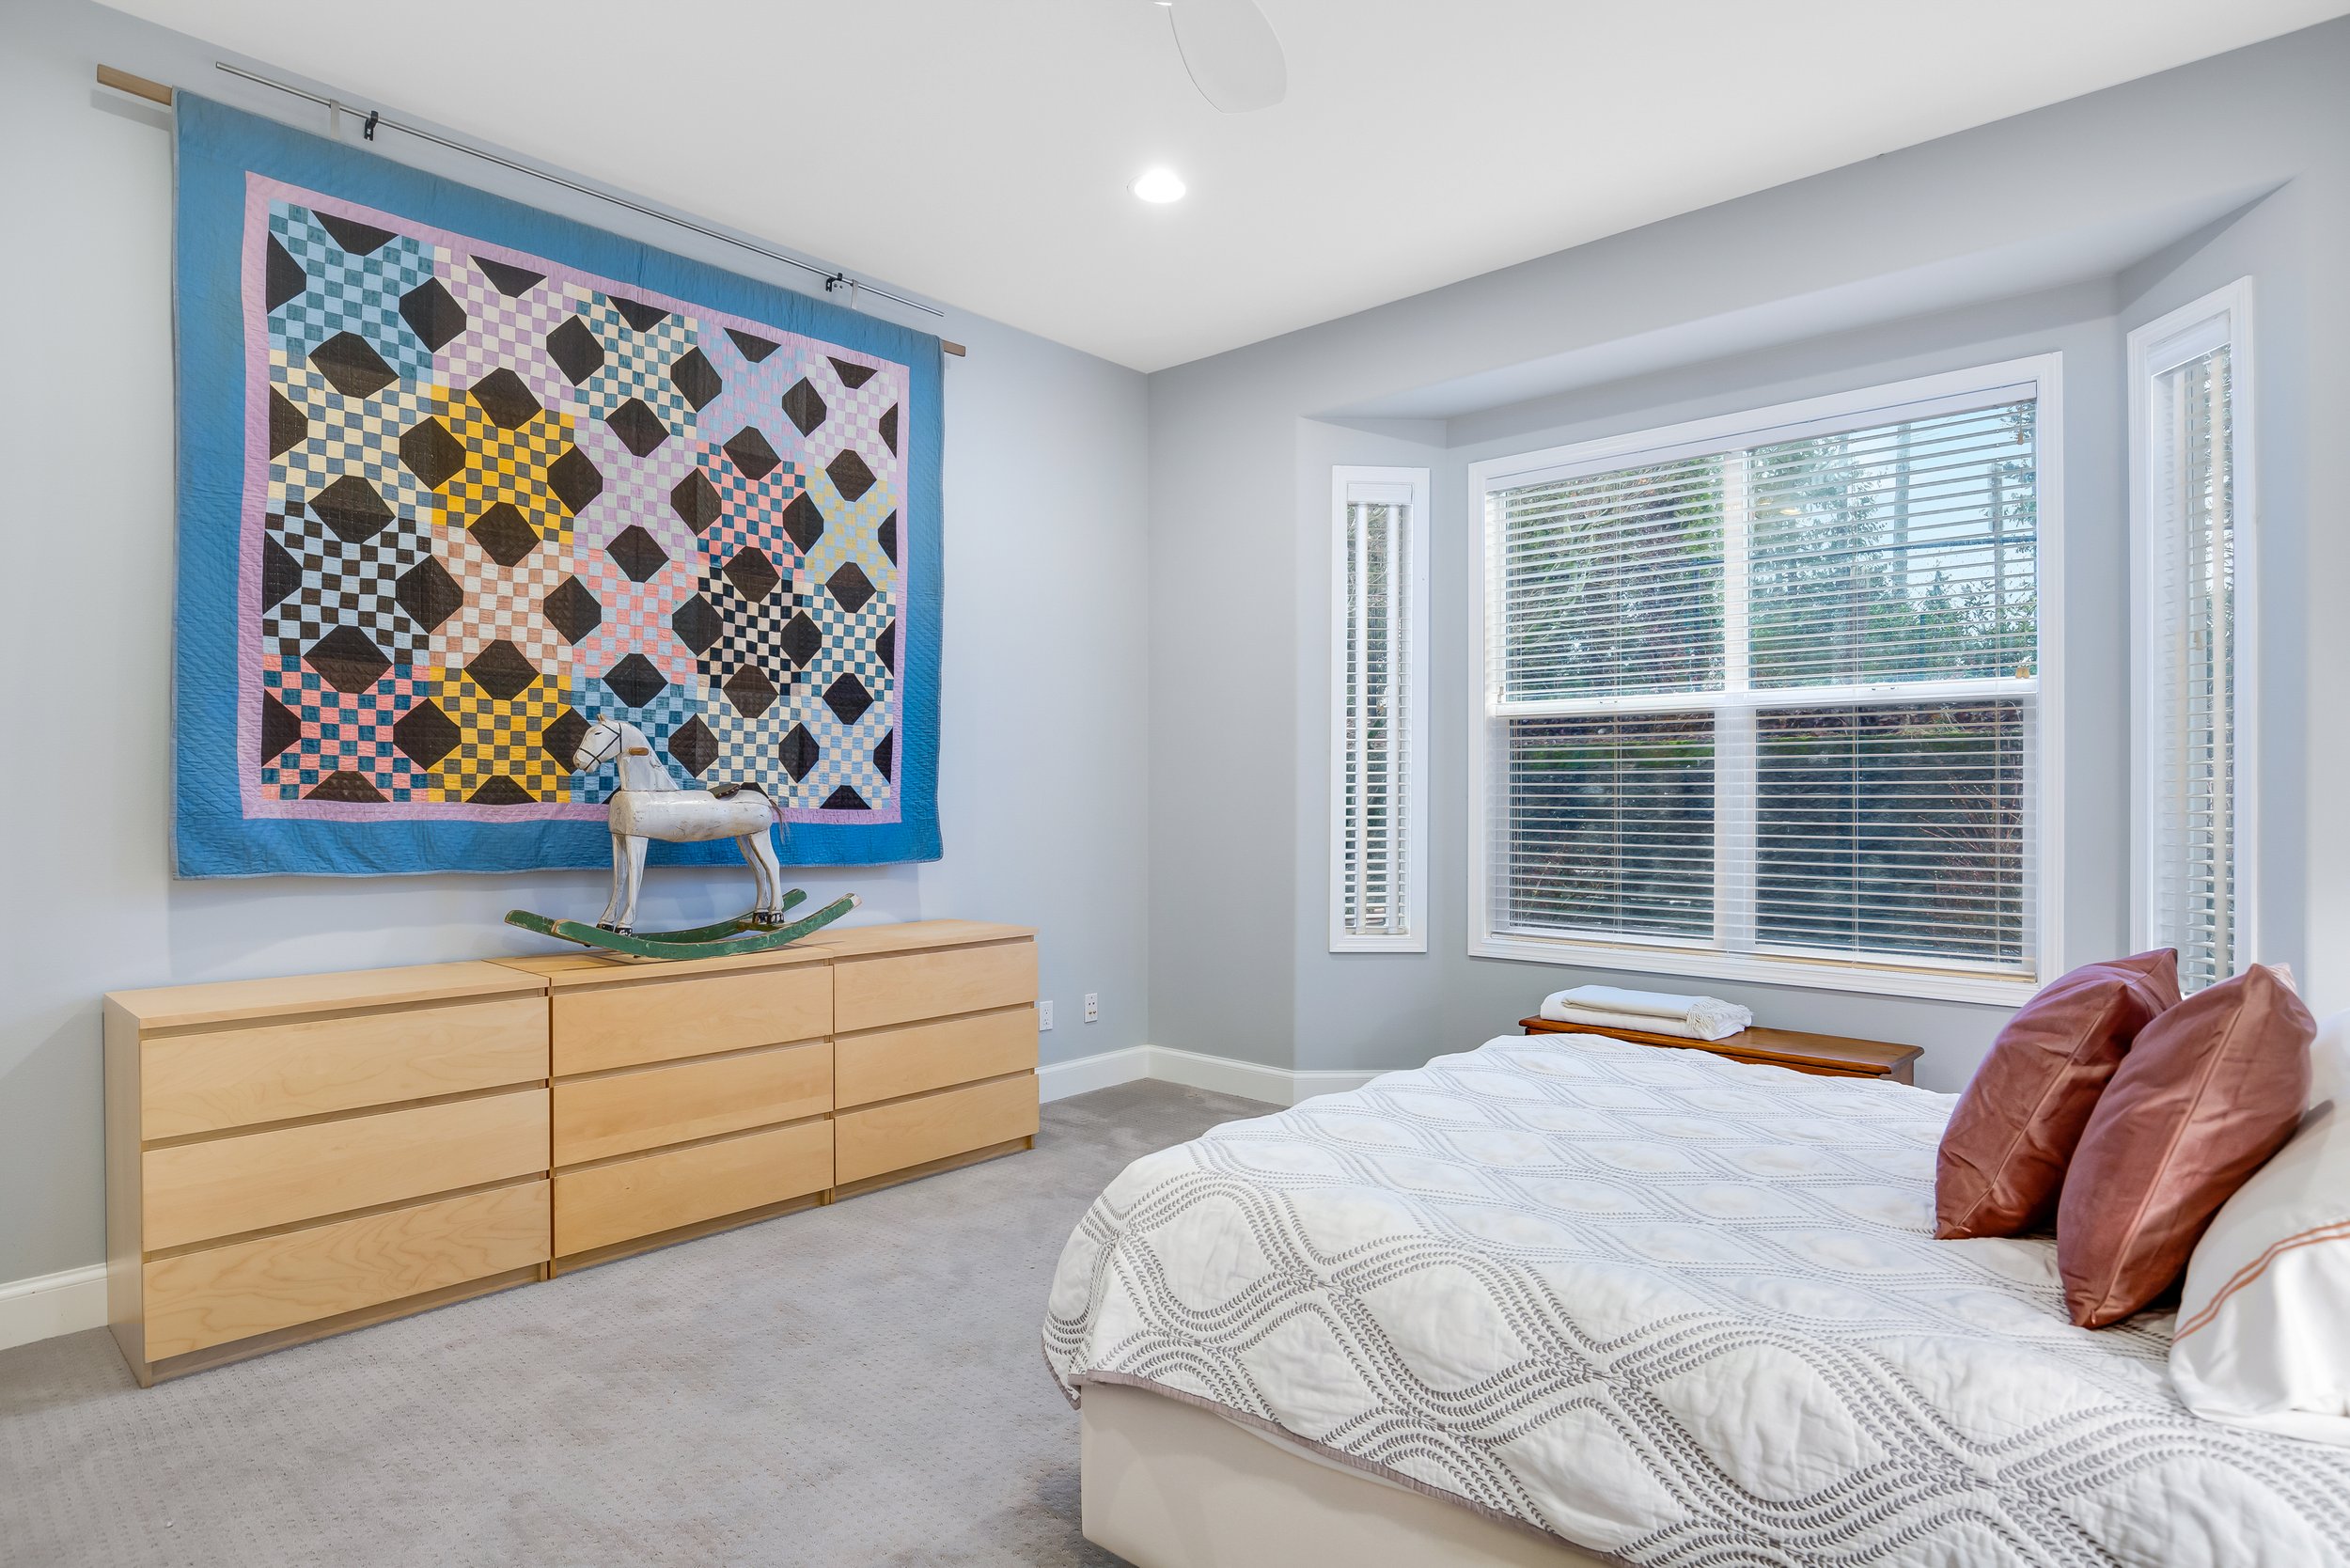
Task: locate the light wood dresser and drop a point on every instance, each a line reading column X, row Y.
column 291, row 1158
column 293, row 1155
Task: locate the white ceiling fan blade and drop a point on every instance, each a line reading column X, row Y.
column 1230, row 50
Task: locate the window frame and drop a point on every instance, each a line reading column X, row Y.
column 1344, row 480
column 2040, row 377
column 2154, row 348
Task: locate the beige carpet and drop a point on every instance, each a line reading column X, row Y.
column 859, row 1383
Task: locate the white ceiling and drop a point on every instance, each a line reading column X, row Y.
column 978, row 150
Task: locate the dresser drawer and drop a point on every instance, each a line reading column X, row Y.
column 200, row 1299
column 226, row 1186
column 223, row 1079
column 873, row 993
column 647, row 1194
column 601, row 1027
column 881, row 1139
column 620, row 1113
column 914, row 1058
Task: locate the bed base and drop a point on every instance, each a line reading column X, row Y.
column 1168, row 1485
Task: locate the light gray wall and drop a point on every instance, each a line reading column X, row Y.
column 1043, row 786
column 1224, row 711
column 2057, row 229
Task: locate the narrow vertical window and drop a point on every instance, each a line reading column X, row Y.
column 2191, row 515
column 1378, row 661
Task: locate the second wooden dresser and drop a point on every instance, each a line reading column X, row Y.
column 935, row 1052
column 692, row 1096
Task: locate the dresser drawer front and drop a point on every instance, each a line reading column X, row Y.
column 646, row 1108
column 874, row 993
column 201, row 1299
column 602, row 1027
column 226, row 1186
column 913, row 1059
column 881, row 1139
column 647, row 1194
column 223, row 1079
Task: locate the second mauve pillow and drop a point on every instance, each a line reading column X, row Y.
column 2003, row 1156
column 2207, row 1093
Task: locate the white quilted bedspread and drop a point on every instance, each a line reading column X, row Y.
column 1671, row 1308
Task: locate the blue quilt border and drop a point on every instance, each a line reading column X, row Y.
column 214, row 146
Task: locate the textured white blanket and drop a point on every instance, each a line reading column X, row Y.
column 1669, row 1306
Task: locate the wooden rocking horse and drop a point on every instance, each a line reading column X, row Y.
column 650, row 804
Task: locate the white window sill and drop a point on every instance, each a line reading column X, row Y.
column 1941, row 985
column 1400, row 944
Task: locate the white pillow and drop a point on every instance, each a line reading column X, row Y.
column 2260, row 1340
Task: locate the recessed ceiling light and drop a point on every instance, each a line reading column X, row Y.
column 1158, row 185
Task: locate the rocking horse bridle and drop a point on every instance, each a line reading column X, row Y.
column 602, row 755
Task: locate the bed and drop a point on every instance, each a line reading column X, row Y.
column 1567, row 1300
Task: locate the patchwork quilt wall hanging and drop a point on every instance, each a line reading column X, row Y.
column 459, row 477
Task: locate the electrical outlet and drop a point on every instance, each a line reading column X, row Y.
column 1093, row 1007
column 1043, row 1016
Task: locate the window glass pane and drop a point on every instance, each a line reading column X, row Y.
column 2194, row 657
column 1893, row 830
column 1902, row 553
column 1611, row 825
column 1612, row 584
column 1372, row 868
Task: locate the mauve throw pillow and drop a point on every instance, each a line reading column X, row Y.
column 2208, row 1092
column 2004, row 1153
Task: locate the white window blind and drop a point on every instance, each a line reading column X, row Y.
column 2194, row 651
column 1762, row 697
column 1378, row 664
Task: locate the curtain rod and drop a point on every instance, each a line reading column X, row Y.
column 157, row 92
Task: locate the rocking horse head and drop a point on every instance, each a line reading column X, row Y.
column 615, row 740
column 603, row 742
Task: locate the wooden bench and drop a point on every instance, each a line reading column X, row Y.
column 1832, row 1056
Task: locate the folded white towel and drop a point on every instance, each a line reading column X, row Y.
column 1655, row 1011
column 1677, row 1027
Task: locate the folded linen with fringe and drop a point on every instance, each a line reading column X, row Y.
column 1655, row 1011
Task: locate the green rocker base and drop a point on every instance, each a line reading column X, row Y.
column 742, row 934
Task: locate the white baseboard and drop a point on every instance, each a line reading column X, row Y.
column 1276, row 1086
column 1249, row 1080
column 1059, row 1080
column 48, row 1305
column 66, row 1303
